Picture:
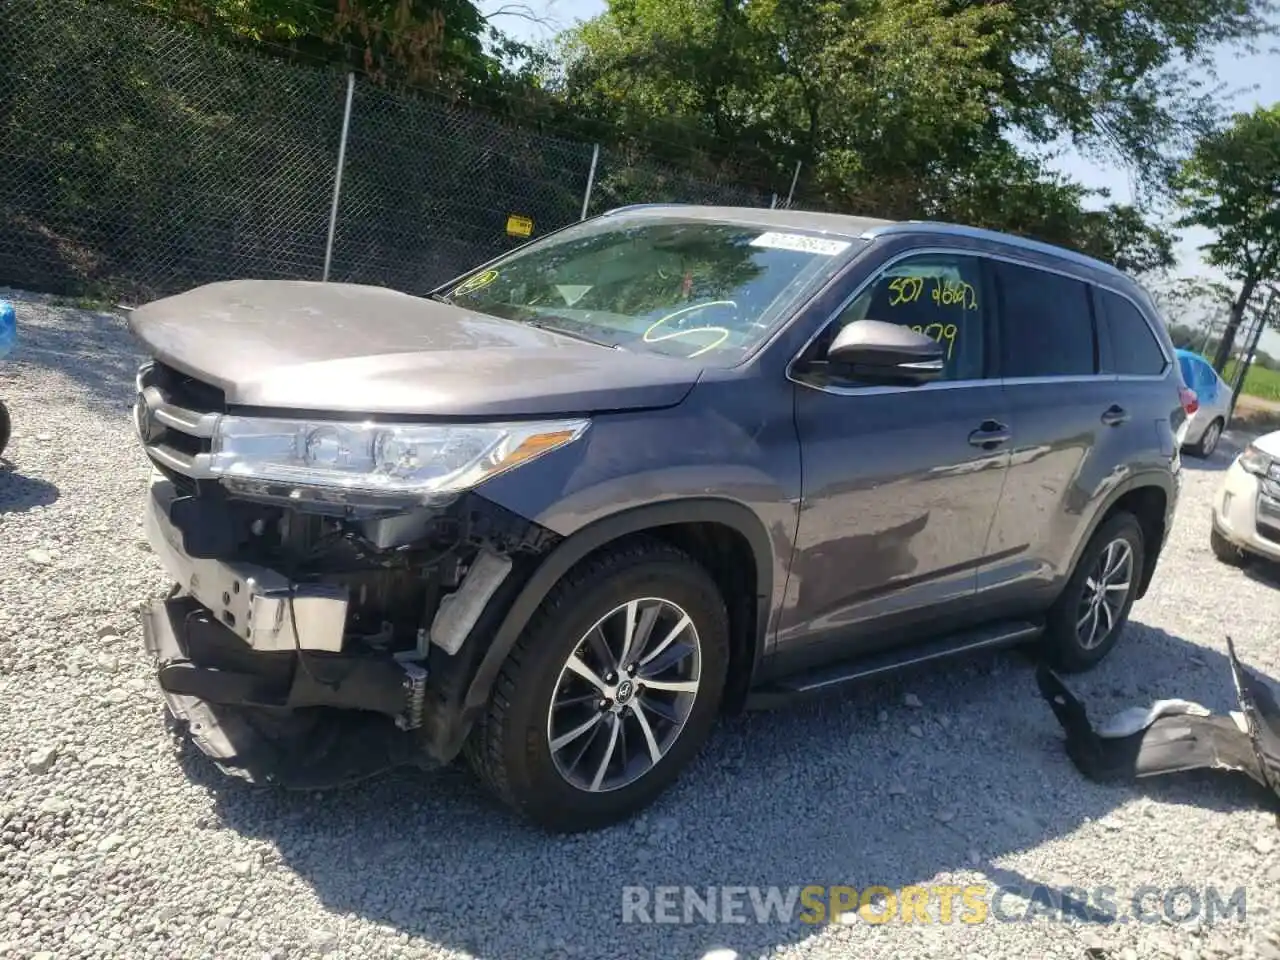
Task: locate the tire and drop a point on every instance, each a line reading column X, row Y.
column 1067, row 645
column 511, row 746
column 6, row 427
column 1208, row 441
column 1225, row 550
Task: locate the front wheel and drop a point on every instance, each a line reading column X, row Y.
column 611, row 690
column 1086, row 621
column 1226, row 551
column 6, row 427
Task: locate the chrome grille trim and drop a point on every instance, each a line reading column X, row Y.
column 161, row 423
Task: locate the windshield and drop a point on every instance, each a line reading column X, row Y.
column 687, row 288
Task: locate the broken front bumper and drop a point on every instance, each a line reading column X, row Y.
column 249, row 662
column 258, row 714
column 259, row 605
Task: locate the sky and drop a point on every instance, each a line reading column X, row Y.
column 1256, row 76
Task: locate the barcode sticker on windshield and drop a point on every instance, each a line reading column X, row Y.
column 801, row 244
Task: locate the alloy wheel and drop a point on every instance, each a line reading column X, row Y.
column 1105, row 592
column 1211, row 436
column 624, row 694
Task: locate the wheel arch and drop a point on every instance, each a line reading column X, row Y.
column 1148, row 497
column 710, row 529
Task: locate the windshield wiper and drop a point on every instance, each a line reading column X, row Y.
column 575, row 334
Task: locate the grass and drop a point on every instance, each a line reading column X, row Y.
column 1260, row 382
column 1254, row 419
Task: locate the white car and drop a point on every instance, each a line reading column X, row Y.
column 1246, row 509
column 1203, row 429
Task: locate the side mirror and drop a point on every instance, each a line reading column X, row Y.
column 887, row 351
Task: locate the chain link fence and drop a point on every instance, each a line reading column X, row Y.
column 139, row 158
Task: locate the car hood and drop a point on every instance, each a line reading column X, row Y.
column 346, row 348
column 1269, row 443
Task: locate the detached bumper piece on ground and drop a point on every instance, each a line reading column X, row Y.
column 1174, row 736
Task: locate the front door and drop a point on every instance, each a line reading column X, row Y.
column 900, row 483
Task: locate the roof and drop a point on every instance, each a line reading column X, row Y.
column 787, row 219
column 868, row 228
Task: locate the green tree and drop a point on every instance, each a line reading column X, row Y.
column 1231, row 186
column 437, row 42
column 905, row 108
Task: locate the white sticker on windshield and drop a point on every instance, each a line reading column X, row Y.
column 572, row 293
column 800, row 243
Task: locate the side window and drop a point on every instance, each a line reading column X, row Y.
column 1134, row 348
column 939, row 295
column 1047, row 323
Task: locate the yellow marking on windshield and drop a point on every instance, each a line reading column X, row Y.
column 648, row 337
column 473, row 284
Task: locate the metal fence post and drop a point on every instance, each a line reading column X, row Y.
column 337, row 177
column 591, row 181
column 794, row 180
column 1243, row 365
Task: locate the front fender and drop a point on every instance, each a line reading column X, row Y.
column 596, row 535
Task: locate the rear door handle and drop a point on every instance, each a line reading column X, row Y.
column 990, row 435
column 1115, row 415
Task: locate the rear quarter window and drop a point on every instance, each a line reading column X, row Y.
column 1135, row 351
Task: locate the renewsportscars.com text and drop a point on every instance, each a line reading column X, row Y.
column 972, row 904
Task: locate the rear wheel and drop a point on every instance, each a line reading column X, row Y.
column 1086, row 622
column 1208, row 440
column 6, row 427
column 610, row 691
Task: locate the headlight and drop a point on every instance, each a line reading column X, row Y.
column 421, row 460
column 1256, row 462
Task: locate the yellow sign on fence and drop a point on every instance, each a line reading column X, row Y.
column 518, row 226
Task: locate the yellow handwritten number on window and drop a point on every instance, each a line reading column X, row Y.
column 905, row 290
column 940, row 332
column 954, row 293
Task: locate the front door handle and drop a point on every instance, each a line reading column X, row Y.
column 1115, row 415
column 990, row 435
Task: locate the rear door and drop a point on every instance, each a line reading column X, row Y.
column 1064, row 416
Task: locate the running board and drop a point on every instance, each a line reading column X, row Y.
column 831, row 677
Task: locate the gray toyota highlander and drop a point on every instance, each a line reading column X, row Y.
column 666, row 463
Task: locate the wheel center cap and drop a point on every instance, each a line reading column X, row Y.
column 625, row 689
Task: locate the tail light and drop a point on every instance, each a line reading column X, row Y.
column 1190, row 402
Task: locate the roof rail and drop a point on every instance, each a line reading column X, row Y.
column 979, row 233
column 639, row 206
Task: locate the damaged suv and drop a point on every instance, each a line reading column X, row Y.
column 664, row 463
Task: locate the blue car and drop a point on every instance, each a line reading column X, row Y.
column 1203, row 429
column 8, row 337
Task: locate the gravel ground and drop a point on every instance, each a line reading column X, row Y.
column 117, row 840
